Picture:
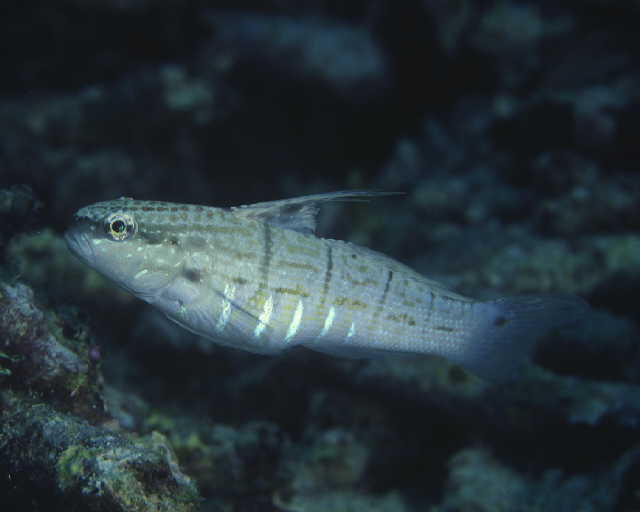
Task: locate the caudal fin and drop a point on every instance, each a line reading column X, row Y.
column 508, row 328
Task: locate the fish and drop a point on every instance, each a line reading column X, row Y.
column 257, row 277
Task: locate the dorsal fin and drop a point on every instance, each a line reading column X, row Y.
column 299, row 213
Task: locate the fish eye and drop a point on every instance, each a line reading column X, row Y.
column 120, row 226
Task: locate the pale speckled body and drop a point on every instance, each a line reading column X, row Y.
column 258, row 278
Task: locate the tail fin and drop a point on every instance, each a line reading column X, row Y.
column 508, row 329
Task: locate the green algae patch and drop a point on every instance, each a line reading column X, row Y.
column 73, row 465
column 87, row 467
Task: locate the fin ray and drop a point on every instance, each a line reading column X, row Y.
column 508, row 329
column 300, row 213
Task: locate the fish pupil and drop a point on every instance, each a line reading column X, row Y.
column 118, row 226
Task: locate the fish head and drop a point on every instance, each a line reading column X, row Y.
column 120, row 240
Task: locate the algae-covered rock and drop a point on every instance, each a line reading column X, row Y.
column 63, row 458
column 48, row 356
column 230, row 461
column 50, row 395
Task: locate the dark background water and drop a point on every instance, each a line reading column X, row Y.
column 511, row 127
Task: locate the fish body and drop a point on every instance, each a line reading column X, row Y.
column 257, row 277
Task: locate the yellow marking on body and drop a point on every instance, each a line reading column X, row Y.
column 234, row 252
column 364, row 282
column 320, row 311
column 264, row 317
column 295, row 322
column 300, row 249
column 350, row 303
column 294, row 264
column 287, row 305
column 225, row 314
column 312, row 318
column 298, row 290
column 402, row 318
column 328, row 322
column 258, row 299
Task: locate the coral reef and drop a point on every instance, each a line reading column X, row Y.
column 57, row 459
column 54, row 440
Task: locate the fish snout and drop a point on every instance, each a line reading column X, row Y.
column 79, row 244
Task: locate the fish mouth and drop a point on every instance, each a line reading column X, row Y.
column 79, row 244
